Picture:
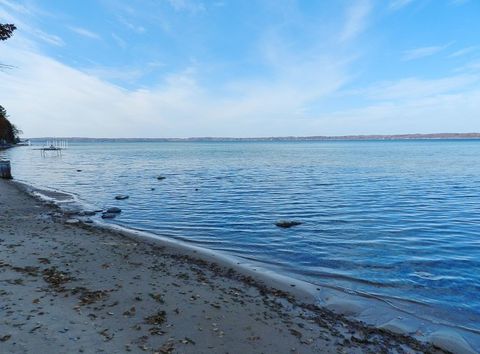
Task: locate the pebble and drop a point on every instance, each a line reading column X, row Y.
column 72, row 221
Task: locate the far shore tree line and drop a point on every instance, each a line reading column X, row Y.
column 9, row 134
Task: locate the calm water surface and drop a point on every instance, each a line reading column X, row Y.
column 397, row 219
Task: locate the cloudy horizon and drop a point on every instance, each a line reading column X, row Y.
column 184, row 68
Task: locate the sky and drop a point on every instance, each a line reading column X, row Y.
column 237, row 68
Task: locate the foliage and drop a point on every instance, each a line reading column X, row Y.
column 8, row 132
column 6, row 31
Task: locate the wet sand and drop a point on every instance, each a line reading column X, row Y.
column 68, row 288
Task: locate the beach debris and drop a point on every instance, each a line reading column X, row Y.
column 156, row 319
column 72, row 221
column 5, row 338
column 114, row 210
column 130, row 312
column 56, row 278
column 109, row 215
column 287, row 223
column 107, row 335
column 157, row 297
column 160, row 178
column 121, row 197
column 187, row 341
column 167, row 348
column 88, row 297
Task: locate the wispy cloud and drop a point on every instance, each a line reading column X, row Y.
column 463, row 52
column 84, row 32
column 132, row 26
column 192, row 6
column 120, row 41
column 18, row 14
column 356, row 19
column 410, row 88
column 48, row 38
column 398, row 4
column 422, row 52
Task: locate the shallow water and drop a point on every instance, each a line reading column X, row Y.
column 399, row 219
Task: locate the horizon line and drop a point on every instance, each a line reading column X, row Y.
column 285, row 137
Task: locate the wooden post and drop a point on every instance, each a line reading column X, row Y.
column 5, row 171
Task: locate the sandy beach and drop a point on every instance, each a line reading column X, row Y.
column 68, row 288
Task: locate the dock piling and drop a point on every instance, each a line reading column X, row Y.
column 5, row 169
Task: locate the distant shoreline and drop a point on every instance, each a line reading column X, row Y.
column 433, row 136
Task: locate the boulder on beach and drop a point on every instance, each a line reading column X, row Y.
column 287, row 223
column 121, row 197
column 109, row 215
column 114, row 210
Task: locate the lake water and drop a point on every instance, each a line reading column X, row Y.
column 398, row 219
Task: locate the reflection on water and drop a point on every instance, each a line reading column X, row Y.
column 391, row 218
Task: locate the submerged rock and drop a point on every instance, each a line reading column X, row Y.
column 287, row 223
column 109, row 215
column 121, row 197
column 113, row 210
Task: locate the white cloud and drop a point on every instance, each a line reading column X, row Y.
column 84, row 32
column 356, row 19
column 63, row 101
column 422, row 52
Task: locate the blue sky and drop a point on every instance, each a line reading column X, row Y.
column 180, row 68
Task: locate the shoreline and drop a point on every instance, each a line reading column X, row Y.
column 284, row 296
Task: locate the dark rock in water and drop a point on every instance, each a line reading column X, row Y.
column 121, row 197
column 113, row 210
column 152, row 189
column 90, row 213
column 98, row 211
column 88, row 221
column 109, row 215
column 79, row 170
column 161, row 178
column 287, row 223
